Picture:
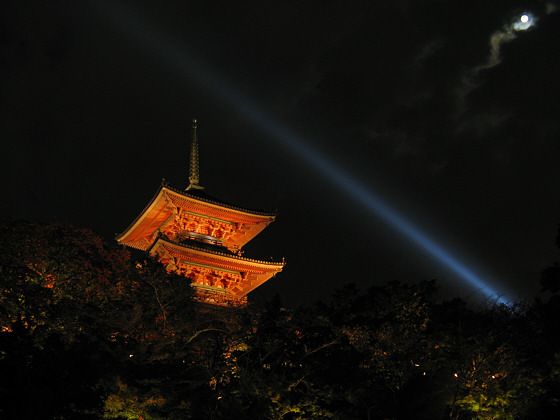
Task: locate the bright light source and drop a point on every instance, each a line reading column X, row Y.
column 524, row 22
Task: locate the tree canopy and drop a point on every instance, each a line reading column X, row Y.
column 90, row 330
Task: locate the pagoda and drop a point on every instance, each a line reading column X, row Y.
column 202, row 238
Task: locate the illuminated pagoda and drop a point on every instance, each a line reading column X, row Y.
column 201, row 238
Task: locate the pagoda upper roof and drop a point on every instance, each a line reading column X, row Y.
column 202, row 196
column 170, row 204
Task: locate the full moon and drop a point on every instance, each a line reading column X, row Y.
column 524, row 22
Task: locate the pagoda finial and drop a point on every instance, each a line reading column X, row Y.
column 193, row 169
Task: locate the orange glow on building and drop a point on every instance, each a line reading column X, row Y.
column 201, row 238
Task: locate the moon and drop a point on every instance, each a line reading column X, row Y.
column 524, row 22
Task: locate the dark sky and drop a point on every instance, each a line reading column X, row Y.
column 319, row 109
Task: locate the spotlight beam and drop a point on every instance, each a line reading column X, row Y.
column 370, row 200
column 177, row 57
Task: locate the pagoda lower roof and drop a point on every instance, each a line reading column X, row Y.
column 255, row 272
column 212, row 250
column 169, row 203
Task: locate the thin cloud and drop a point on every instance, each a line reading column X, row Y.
column 472, row 79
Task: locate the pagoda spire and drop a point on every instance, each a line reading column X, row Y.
column 193, row 169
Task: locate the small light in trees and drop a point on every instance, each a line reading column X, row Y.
column 456, row 375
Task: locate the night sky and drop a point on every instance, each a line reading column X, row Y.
column 446, row 111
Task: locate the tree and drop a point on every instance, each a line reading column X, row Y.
column 550, row 277
column 481, row 369
column 91, row 331
column 76, row 314
column 387, row 327
column 276, row 365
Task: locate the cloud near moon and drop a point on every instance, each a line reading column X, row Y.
column 524, row 22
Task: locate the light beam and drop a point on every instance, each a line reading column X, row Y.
column 177, row 57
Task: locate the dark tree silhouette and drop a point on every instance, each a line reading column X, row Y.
column 88, row 331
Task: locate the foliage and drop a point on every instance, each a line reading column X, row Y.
column 128, row 403
column 550, row 276
column 89, row 331
column 67, row 295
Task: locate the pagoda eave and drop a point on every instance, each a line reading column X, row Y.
column 236, row 276
column 170, row 210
